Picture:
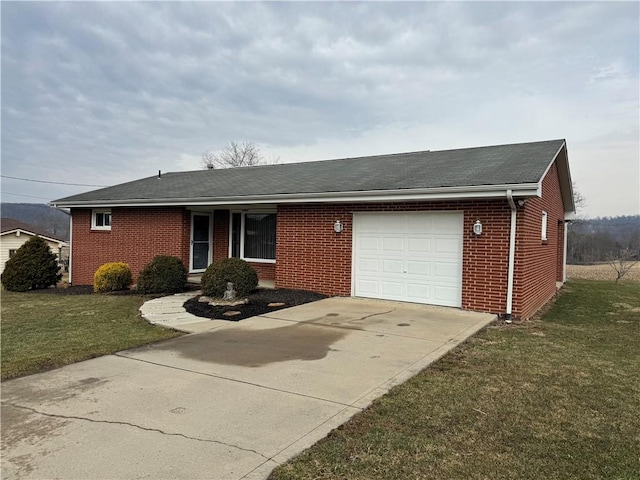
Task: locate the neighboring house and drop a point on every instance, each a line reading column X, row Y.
column 15, row 234
column 399, row 227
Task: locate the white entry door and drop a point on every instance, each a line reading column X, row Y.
column 411, row 257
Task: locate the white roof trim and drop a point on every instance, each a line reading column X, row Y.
column 27, row 232
column 431, row 194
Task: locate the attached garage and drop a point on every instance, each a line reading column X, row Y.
column 412, row 257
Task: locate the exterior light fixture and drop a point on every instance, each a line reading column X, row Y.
column 338, row 227
column 477, row 228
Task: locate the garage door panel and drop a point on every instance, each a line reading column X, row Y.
column 419, row 224
column 367, row 243
column 416, row 292
column 368, row 288
column 369, row 224
column 446, row 270
column 447, row 296
column 419, row 245
column 412, row 256
column 447, row 224
column 393, row 266
column 392, row 244
column 447, row 245
column 415, row 267
column 392, row 289
column 368, row 265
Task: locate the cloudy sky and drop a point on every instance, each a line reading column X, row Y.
column 103, row 93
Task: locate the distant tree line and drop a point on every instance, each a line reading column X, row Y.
column 603, row 239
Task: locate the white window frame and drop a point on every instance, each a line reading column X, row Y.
column 242, row 233
column 545, row 221
column 94, row 214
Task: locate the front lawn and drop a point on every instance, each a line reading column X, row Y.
column 553, row 398
column 43, row 331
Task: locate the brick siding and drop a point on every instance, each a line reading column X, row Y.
column 136, row 236
column 539, row 263
column 310, row 255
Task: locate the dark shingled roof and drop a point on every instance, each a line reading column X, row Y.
column 523, row 163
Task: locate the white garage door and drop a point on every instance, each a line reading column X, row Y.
column 412, row 257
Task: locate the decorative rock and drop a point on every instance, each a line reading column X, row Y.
column 231, row 313
column 276, row 304
column 216, row 302
column 204, row 299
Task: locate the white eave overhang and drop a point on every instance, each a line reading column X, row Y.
column 431, row 194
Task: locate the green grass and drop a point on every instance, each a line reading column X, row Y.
column 555, row 398
column 44, row 331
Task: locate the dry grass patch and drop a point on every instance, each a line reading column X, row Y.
column 556, row 398
column 43, row 331
column 602, row 271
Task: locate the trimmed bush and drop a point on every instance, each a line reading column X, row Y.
column 165, row 274
column 32, row 267
column 111, row 277
column 240, row 273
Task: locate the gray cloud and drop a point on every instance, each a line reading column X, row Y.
column 108, row 92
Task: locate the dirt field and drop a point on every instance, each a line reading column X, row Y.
column 601, row 272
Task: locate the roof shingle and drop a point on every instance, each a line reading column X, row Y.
column 513, row 164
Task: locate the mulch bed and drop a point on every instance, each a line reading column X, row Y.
column 258, row 304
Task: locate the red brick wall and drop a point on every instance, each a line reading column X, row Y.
column 537, row 262
column 136, row 236
column 312, row 256
column 220, row 234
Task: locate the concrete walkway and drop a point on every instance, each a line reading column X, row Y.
column 229, row 403
column 169, row 312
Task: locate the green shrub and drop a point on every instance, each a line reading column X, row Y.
column 111, row 277
column 33, row 266
column 240, row 273
column 165, row 274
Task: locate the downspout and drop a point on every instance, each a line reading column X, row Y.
column 70, row 246
column 512, row 257
column 564, row 253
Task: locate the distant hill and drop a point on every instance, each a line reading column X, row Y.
column 600, row 239
column 46, row 218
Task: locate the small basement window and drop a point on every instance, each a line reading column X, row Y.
column 101, row 220
column 544, row 225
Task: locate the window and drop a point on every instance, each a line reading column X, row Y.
column 544, row 226
column 101, row 220
column 12, row 252
column 253, row 236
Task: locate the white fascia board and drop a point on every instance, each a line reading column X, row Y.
column 32, row 234
column 432, row 194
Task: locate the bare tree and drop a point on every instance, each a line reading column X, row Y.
column 236, row 154
column 579, row 200
column 623, row 262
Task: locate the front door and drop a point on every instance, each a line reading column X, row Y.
column 200, row 241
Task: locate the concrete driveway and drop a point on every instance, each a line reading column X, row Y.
column 230, row 403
